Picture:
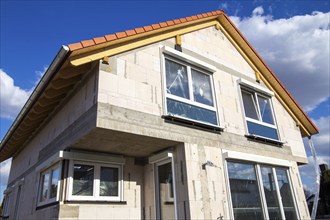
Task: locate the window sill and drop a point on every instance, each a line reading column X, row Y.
column 47, row 205
column 264, row 139
column 192, row 124
column 95, row 202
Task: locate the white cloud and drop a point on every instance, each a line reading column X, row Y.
column 297, row 50
column 258, row 11
column 322, row 140
column 4, row 174
column 12, row 97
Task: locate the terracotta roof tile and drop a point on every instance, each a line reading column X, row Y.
column 130, row 32
column 110, row 37
column 163, row 24
column 170, row 23
column 99, row 40
column 219, row 12
column 183, row 20
column 199, row 16
column 139, row 30
column 127, row 33
column 189, row 18
column 155, row 26
column 194, row 17
column 147, row 28
column 87, row 43
column 121, row 35
column 75, row 46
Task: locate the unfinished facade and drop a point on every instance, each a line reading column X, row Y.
column 177, row 120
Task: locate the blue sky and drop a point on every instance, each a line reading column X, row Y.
column 32, row 33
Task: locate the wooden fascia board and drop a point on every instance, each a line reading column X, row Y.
column 249, row 54
column 97, row 52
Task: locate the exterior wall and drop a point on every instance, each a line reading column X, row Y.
column 133, row 85
column 24, row 164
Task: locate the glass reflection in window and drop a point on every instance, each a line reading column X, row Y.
column 109, row 181
column 176, row 79
column 83, row 178
column 244, row 190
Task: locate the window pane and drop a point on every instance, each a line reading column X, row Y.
column 265, row 110
column 270, row 193
column 109, row 181
column 286, row 194
column 176, row 79
column 262, row 130
column 249, row 105
column 53, row 189
column 202, row 88
column 244, row 191
column 83, row 178
column 191, row 112
column 44, row 187
column 165, row 191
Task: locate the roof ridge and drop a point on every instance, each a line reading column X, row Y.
column 127, row 33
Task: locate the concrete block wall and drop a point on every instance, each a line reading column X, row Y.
column 24, row 163
column 206, row 185
column 133, row 80
column 289, row 130
column 299, row 192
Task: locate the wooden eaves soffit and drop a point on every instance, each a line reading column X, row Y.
column 80, row 55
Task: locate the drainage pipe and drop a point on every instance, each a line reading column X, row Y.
column 317, row 173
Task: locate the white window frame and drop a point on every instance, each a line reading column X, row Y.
column 258, row 161
column 190, row 63
column 6, row 205
column 157, row 160
column 96, row 182
column 49, row 170
column 256, row 91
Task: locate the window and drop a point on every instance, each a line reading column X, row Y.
column 48, row 187
column 260, row 191
column 259, row 114
column 189, row 92
column 95, row 181
column 6, row 205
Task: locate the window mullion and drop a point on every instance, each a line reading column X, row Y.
column 97, row 176
column 262, row 192
column 257, row 106
column 190, row 86
column 50, row 183
column 278, row 194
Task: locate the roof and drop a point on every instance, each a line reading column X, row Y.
column 72, row 61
